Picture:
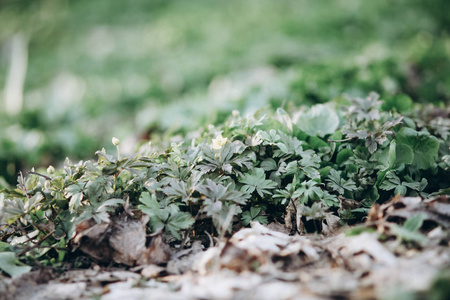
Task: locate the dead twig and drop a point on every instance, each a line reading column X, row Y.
column 39, row 174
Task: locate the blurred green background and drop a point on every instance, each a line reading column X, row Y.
column 73, row 74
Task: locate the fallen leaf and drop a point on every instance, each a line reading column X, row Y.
column 123, row 241
column 345, row 249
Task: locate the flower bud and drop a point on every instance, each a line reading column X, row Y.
column 115, row 141
column 50, row 170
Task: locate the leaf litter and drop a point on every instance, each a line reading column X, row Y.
column 371, row 261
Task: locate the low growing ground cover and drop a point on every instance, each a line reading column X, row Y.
column 298, row 170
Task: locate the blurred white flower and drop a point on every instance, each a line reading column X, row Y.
column 218, row 142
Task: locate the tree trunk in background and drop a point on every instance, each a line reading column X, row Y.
column 15, row 80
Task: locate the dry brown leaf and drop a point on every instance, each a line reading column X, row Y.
column 152, row 271
column 128, row 241
column 345, row 251
column 256, row 248
column 435, row 210
column 182, row 261
column 330, row 225
column 91, row 239
column 123, row 241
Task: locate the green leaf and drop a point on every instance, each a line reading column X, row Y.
column 424, row 147
column 351, row 168
column 178, row 221
column 400, row 190
column 401, row 103
column 288, row 146
column 329, row 199
column 308, row 190
column 269, row 164
column 390, row 182
column 315, row 212
column 169, row 218
column 392, row 155
column 399, row 154
column 218, row 192
column 317, row 143
column 409, row 232
column 11, row 265
column 253, row 215
column 150, row 205
column 75, row 201
column 343, row 156
column 109, row 203
column 320, row 120
column 269, row 138
column 336, row 183
column 62, row 253
column 324, row 171
column 256, row 180
column 414, row 223
column 309, row 165
column 365, row 109
column 5, row 246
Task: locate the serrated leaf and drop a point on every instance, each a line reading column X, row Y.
column 336, row 183
column 109, row 203
column 371, row 144
column 390, row 182
column 308, row 190
column 288, row 146
column 218, row 192
column 181, row 220
column 256, row 180
column 253, row 215
column 75, row 201
column 149, row 204
column 330, row 200
column 400, row 190
column 270, row 137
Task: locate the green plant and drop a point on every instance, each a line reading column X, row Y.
column 247, row 169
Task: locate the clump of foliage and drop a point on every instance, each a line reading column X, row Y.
column 252, row 168
column 83, row 72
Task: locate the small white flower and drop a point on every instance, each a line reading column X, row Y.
column 115, row 141
column 218, row 142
